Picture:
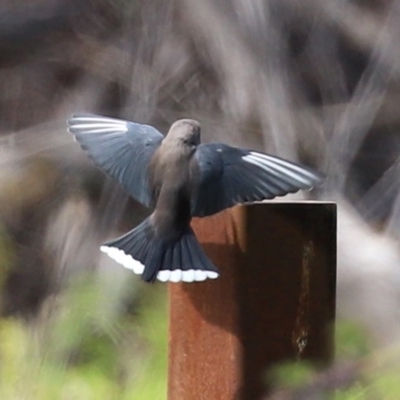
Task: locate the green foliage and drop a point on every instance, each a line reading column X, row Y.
column 351, row 340
column 292, row 375
column 357, row 374
column 81, row 353
column 91, row 344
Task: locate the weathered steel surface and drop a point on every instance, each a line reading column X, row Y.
column 275, row 300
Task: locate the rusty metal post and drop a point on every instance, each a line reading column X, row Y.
column 274, row 300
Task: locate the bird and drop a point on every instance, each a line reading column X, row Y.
column 179, row 177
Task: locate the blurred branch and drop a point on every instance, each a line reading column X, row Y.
column 338, row 377
column 363, row 376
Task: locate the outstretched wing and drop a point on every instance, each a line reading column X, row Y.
column 120, row 148
column 230, row 175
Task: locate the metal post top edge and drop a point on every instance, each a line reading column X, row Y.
column 290, row 202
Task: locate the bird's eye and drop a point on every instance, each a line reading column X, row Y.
column 188, row 142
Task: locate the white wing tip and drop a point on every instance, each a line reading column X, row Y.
column 282, row 168
column 97, row 124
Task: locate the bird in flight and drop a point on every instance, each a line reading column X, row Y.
column 179, row 178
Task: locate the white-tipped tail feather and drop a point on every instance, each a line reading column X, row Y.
column 125, row 260
column 175, row 260
column 175, row 275
column 190, row 275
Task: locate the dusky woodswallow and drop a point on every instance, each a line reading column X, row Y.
column 179, row 178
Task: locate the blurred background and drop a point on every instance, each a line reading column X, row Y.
column 312, row 81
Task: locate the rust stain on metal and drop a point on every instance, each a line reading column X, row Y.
column 300, row 335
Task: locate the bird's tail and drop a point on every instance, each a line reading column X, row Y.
column 176, row 260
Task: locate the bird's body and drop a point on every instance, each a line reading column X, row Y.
column 180, row 178
column 172, row 195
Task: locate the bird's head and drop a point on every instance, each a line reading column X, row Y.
column 186, row 132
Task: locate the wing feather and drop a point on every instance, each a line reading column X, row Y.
column 229, row 175
column 120, row 148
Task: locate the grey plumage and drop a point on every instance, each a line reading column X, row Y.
column 180, row 178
